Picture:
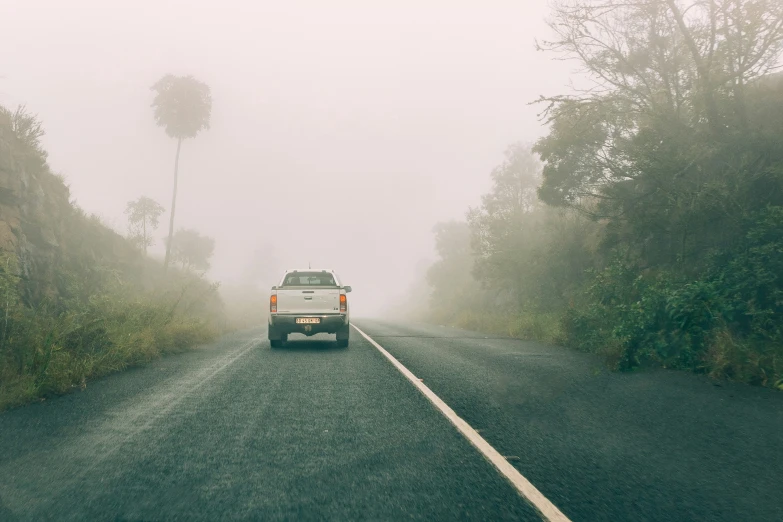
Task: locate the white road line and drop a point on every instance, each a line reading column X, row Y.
column 523, row 485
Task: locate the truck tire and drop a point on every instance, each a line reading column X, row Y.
column 343, row 334
column 276, row 339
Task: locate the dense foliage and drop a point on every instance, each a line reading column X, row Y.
column 658, row 234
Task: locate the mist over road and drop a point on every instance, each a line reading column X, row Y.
column 236, row 430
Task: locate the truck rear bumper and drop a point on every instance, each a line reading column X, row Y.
column 280, row 325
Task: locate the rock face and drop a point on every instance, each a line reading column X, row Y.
column 51, row 242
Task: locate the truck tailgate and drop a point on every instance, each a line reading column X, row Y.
column 308, row 301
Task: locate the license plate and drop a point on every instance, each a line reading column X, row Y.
column 308, row 320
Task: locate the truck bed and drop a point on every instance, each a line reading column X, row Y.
column 308, row 300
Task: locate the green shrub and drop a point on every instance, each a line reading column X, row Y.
column 46, row 352
column 727, row 322
column 537, row 326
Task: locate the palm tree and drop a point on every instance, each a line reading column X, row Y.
column 182, row 106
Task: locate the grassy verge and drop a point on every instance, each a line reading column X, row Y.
column 729, row 357
column 726, row 356
column 46, row 351
column 527, row 325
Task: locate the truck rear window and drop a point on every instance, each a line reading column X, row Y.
column 309, row 279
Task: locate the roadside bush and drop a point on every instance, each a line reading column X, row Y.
column 45, row 352
column 724, row 319
column 726, row 323
column 654, row 318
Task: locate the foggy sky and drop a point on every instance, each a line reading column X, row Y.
column 342, row 131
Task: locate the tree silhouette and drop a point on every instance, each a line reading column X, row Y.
column 182, row 106
column 191, row 249
column 143, row 215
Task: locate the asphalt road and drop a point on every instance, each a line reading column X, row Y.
column 236, row 430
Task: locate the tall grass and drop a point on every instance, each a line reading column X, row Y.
column 52, row 349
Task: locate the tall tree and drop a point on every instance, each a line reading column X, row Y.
column 501, row 226
column 530, row 254
column 669, row 144
column 182, row 106
column 191, row 249
column 143, row 215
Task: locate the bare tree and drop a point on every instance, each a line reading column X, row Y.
column 679, row 64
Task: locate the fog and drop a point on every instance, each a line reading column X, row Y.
column 341, row 131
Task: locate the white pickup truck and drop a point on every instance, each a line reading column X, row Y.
column 309, row 301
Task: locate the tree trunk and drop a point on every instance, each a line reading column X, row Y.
column 173, row 206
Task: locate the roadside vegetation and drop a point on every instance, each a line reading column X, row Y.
column 647, row 225
column 77, row 299
column 58, row 345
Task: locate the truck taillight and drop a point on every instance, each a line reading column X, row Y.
column 273, row 303
column 343, row 303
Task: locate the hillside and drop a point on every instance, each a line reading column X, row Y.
column 78, row 300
